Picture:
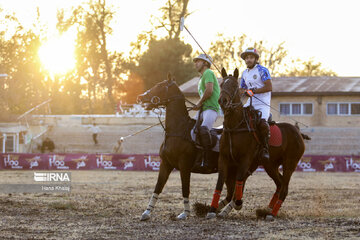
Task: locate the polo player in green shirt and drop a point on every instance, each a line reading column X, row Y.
column 209, row 92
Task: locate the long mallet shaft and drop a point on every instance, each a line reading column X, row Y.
column 142, row 130
column 182, row 26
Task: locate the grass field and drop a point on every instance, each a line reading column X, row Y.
column 108, row 205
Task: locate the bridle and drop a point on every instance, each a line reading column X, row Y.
column 158, row 102
column 230, row 105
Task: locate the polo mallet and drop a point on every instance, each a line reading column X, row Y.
column 122, row 139
column 182, row 26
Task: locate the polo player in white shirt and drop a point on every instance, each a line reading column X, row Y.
column 256, row 81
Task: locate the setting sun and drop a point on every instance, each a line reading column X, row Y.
column 57, row 55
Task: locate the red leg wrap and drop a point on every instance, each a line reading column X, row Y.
column 274, row 199
column 216, row 198
column 239, row 189
column 276, row 207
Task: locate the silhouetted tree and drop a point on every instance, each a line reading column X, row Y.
column 308, row 68
column 95, row 63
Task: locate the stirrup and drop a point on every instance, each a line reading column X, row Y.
column 265, row 155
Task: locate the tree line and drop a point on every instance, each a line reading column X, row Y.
column 103, row 77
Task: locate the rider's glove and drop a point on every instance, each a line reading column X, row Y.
column 249, row 93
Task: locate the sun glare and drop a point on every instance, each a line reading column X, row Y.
column 57, row 54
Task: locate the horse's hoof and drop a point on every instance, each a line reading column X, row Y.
column 211, row 215
column 222, row 204
column 238, row 207
column 222, row 215
column 227, row 209
column 182, row 216
column 145, row 216
column 269, row 217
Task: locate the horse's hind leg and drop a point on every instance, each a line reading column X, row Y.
column 165, row 170
column 283, row 190
column 275, row 175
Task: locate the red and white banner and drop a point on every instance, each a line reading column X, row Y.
column 149, row 162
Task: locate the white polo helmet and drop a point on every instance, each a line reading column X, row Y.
column 204, row 57
column 248, row 51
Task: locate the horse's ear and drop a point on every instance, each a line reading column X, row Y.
column 169, row 77
column 223, row 73
column 236, row 73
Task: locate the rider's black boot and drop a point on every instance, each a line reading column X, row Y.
column 265, row 135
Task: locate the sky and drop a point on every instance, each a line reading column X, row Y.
column 325, row 30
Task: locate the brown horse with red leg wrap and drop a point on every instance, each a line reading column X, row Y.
column 239, row 149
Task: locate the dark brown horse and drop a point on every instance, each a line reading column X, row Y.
column 177, row 150
column 239, row 147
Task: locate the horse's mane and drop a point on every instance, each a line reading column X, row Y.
column 179, row 90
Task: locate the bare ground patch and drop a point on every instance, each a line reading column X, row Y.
column 108, row 205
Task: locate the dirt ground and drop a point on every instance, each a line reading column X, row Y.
column 108, row 205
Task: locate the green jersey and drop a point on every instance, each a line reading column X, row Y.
column 212, row 102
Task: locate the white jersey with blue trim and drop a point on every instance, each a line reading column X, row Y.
column 255, row 78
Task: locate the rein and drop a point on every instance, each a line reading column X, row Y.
column 155, row 100
column 162, row 103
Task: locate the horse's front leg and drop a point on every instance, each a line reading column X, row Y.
column 185, row 173
column 238, row 201
column 165, row 170
column 242, row 173
column 230, row 186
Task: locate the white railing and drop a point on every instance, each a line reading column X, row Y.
column 32, row 140
column 32, row 109
column 136, row 110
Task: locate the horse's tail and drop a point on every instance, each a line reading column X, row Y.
column 304, row 136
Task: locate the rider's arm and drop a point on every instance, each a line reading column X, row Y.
column 208, row 92
column 266, row 88
column 266, row 79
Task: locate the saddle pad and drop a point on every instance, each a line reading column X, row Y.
column 275, row 136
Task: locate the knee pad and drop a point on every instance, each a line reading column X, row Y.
column 203, row 130
column 205, row 137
